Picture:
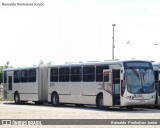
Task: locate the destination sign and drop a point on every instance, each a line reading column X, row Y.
column 137, row 64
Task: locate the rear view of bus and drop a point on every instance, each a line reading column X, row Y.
column 137, row 84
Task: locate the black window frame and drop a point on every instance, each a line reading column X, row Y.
column 64, row 74
column 99, row 72
column 24, row 77
column 32, row 75
column 17, row 76
column 54, row 75
column 89, row 73
column 76, row 74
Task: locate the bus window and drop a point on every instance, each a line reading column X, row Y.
column 5, row 77
column 32, row 75
column 76, row 74
column 10, row 83
column 54, row 75
column 99, row 72
column 17, row 76
column 24, row 75
column 64, row 74
column 88, row 73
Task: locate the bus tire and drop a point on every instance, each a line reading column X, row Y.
column 99, row 102
column 17, row 98
column 55, row 99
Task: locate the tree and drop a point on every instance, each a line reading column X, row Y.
column 49, row 63
column 41, row 62
column 7, row 64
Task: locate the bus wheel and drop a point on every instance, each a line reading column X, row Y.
column 99, row 102
column 55, row 99
column 16, row 98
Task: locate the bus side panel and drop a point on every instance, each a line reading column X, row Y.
column 82, row 93
column 5, row 91
column 32, row 91
column 21, row 89
column 75, row 92
column 89, row 91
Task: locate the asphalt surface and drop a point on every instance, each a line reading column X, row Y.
column 30, row 111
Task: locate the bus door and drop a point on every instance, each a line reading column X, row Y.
column 116, row 86
column 107, row 88
column 111, row 84
column 156, row 85
column 9, row 87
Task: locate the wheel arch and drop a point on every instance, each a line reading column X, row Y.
column 99, row 101
column 100, row 93
column 54, row 92
column 16, row 92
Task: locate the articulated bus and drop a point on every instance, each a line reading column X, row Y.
column 156, row 68
column 104, row 84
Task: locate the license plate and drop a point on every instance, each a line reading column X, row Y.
column 142, row 101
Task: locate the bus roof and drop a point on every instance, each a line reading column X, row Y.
column 20, row 68
column 97, row 63
column 78, row 64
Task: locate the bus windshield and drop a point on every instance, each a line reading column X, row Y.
column 140, row 80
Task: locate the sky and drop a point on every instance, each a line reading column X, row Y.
column 78, row 30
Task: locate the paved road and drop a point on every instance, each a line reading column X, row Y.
column 8, row 110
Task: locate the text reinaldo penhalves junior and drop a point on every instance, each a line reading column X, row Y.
column 22, row 4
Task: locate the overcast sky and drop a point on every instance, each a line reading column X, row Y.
column 78, row 30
